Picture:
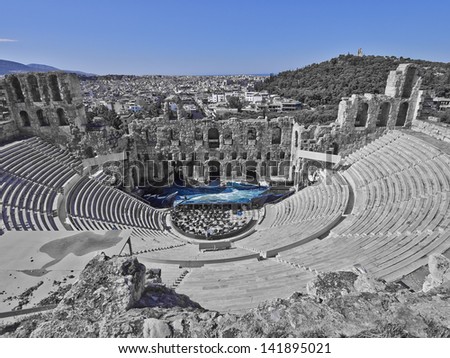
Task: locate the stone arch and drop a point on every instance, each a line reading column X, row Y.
column 214, row 170
column 335, row 148
column 263, row 170
column 401, row 116
column 238, row 169
column 198, row 133
column 273, row 165
column 228, row 171
column 135, row 176
column 25, row 119
column 34, row 88
column 284, row 168
column 62, row 117
column 54, row 87
column 361, row 116
column 383, row 114
column 15, row 83
column 276, row 135
column 213, row 138
column 43, row 121
column 251, row 134
column 233, row 155
column 408, row 84
column 227, row 136
column 174, row 134
column 251, row 171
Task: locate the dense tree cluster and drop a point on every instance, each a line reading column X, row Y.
column 325, row 83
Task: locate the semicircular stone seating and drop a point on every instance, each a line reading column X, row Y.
column 387, row 211
column 401, row 213
column 32, row 174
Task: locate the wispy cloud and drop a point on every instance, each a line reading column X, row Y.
column 7, row 40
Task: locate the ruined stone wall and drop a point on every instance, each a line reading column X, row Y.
column 236, row 144
column 396, row 108
column 4, row 109
column 8, row 131
column 48, row 105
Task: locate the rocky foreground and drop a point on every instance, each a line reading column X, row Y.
column 118, row 297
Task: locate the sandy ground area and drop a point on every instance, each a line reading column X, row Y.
column 35, row 264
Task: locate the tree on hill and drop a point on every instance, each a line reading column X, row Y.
column 235, row 102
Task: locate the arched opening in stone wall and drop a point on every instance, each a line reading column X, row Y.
column 198, row 134
column 228, row 171
column 165, row 171
column 54, row 87
column 214, row 170
column 174, row 134
column 62, row 117
column 273, row 168
column 296, row 139
column 401, row 116
column 25, row 119
column 178, row 174
column 284, row 168
column 213, row 138
column 250, row 171
column 361, row 116
column 15, row 83
column 263, row 170
column 408, row 84
column 227, row 136
column 155, row 170
column 34, row 88
column 276, row 135
column 251, row 136
column 233, row 155
column 134, row 177
column 238, row 169
column 335, row 148
column 383, row 114
column 43, row 121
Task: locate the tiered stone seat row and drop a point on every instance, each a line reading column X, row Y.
column 26, row 205
column 312, row 202
column 92, row 205
column 389, row 256
column 238, row 286
column 93, row 201
column 303, row 216
column 32, row 173
column 400, row 216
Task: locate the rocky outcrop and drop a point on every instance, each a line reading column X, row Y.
column 439, row 267
column 116, row 298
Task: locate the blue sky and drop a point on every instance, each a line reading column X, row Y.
column 217, row 37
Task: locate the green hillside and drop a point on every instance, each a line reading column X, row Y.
column 325, row 83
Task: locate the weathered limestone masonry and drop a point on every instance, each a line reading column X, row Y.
column 48, row 105
column 396, row 108
column 8, row 128
column 361, row 119
column 207, row 149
